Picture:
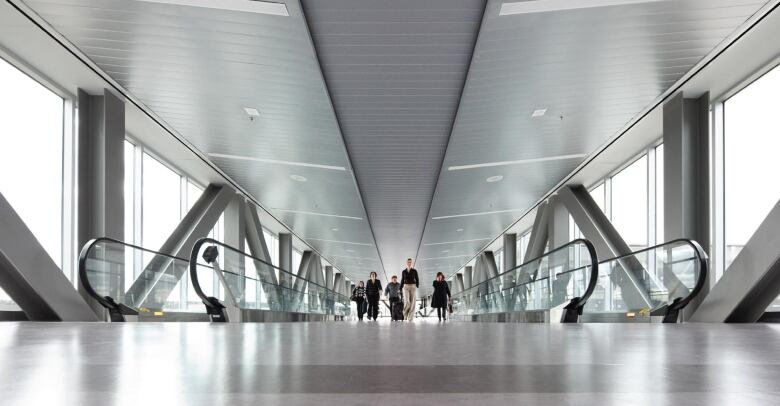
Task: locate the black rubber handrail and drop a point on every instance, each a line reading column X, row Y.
column 210, row 301
column 594, row 274
column 107, row 301
column 701, row 256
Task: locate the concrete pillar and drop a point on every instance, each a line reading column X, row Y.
column 467, row 275
column 329, row 277
column 100, row 174
column 510, row 261
column 338, row 283
column 285, row 257
column 235, row 236
column 686, row 176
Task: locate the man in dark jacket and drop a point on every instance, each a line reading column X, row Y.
column 373, row 291
column 393, row 293
column 409, row 284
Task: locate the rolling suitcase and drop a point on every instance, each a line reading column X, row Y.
column 397, row 310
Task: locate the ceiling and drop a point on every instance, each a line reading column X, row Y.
column 395, row 71
column 396, row 113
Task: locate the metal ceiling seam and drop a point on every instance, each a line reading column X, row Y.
column 343, row 139
column 71, row 48
column 452, row 127
column 721, row 47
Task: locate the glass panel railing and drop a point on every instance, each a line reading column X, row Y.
column 562, row 278
column 659, row 280
column 228, row 281
column 111, row 272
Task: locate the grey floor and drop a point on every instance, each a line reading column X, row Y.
column 425, row 363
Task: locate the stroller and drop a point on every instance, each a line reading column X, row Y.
column 397, row 309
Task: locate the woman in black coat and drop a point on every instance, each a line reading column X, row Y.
column 441, row 296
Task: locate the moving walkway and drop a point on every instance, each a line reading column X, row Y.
column 131, row 282
column 656, row 281
column 235, row 286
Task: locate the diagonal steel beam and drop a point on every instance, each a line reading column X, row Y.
column 752, row 281
column 608, row 243
column 158, row 279
column 31, row 278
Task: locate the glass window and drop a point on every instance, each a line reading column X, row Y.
column 193, row 194
column 273, row 246
column 523, row 247
column 31, row 133
column 629, row 203
column 296, row 261
column 751, row 147
column 161, row 202
column 599, row 195
column 129, row 200
column 659, row 194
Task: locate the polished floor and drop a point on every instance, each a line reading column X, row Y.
column 349, row 363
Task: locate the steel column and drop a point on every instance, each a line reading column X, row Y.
column 100, row 174
column 686, row 179
column 285, row 258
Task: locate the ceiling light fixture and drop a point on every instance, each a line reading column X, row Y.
column 251, row 112
column 278, row 162
column 334, row 229
column 544, row 6
column 311, row 213
column 517, row 162
column 455, row 242
column 538, row 113
column 248, row 6
column 459, row 230
column 298, row 178
column 494, row 179
column 348, row 250
column 445, row 251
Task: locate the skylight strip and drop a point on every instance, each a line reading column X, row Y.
column 318, row 214
column 543, row 6
column 517, row 162
column 340, row 242
column 455, row 242
column 278, row 162
column 482, row 213
column 249, row 6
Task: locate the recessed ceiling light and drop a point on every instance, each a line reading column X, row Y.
column 334, row 229
column 543, row 6
column 538, row 113
column 349, row 250
column 253, row 6
column 298, row 178
column 459, row 230
column 445, row 251
column 252, row 112
column 495, row 178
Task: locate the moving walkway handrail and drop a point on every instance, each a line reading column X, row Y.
column 206, row 299
column 107, row 301
column 702, row 258
column 594, row 274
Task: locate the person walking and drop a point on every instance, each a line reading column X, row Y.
column 393, row 293
column 359, row 296
column 373, row 291
column 409, row 284
column 441, row 296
